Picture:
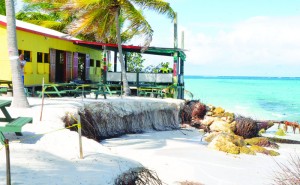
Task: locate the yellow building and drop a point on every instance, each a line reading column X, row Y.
column 50, row 54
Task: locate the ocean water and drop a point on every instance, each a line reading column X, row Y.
column 266, row 98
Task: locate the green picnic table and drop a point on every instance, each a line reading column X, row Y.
column 152, row 91
column 6, row 82
column 12, row 124
column 101, row 89
column 114, row 89
column 83, row 89
column 54, row 89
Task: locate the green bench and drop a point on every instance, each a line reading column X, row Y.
column 3, row 90
column 16, row 125
column 97, row 92
column 59, row 93
column 118, row 92
column 79, row 92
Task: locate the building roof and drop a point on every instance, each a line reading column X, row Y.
column 132, row 48
column 39, row 30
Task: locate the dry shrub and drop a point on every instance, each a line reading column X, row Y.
column 190, row 183
column 192, row 110
column 289, row 174
column 138, row 176
column 246, row 127
column 89, row 129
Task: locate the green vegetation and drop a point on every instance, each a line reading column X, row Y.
column 2, row 7
column 135, row 62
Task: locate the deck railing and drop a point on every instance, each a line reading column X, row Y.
column 140, row 78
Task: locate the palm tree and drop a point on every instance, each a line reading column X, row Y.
column 19, row 97
column 98, row 17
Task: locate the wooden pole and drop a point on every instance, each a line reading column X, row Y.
column 182, row 40
column 8, row 177
column 80, row 138
column 175, row 32
column 175, row 58
column 41, row 116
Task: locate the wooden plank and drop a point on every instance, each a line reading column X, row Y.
column 3, row 90
column 51, row 92
column 5, row 103
column 19, row 122
column 16, row 125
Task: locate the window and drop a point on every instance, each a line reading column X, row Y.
column 92, row 62
column 98, row 63
column 27, row 56
column 46, row 57
column 39, row 57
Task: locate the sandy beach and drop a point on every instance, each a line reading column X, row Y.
column 49, row 154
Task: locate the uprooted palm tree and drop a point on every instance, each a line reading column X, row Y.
column 98, row 17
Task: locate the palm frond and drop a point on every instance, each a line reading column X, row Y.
column 137, row 23
column 159, row 6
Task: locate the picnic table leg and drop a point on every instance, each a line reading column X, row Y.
column 43, row 91
column 58, row 93
column 108, row 89
column 6, row 114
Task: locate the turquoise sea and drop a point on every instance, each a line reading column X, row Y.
column 267, row 98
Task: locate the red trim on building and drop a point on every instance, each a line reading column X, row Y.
column 37, row 33
column 107, row 45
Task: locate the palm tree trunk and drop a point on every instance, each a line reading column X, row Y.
column 123, row 70
column 19, row 97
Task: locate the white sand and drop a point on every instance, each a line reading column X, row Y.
column 53, row 158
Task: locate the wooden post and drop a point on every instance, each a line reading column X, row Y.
column 41, row 116
column 182, row 69
column 175, row 32
column 8, row 178
column 80, row 138
column 115, row 61
column 182, row 40
column 104, row 76
column 175, row 58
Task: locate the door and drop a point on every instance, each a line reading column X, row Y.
column 68, row 67
column 60, row 66
column 87, row 67
column 52, row 65
column 75, row 66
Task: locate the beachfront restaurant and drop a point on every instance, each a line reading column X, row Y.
column 138, row 80
column 55, row 57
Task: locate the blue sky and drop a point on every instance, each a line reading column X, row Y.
column 234, row 37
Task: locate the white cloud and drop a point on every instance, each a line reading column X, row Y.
column 256, row 41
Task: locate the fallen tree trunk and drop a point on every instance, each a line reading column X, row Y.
column 109, row 119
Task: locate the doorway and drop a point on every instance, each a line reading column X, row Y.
column 60, row 66
column 81, row 66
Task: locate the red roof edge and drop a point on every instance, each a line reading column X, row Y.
column 108, row 45
column 36, row 32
